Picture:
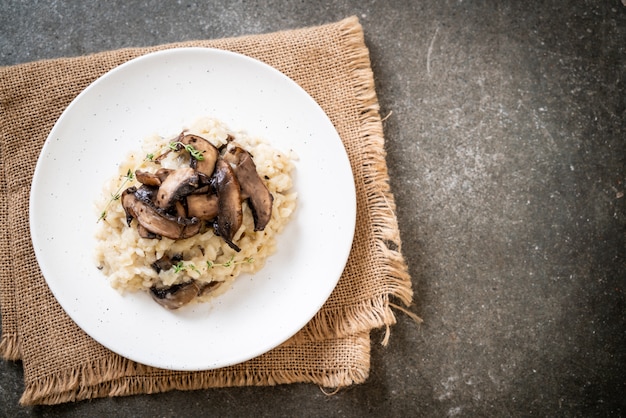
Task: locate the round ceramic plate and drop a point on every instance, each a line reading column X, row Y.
column 162, row 93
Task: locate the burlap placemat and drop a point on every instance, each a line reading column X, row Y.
column 61, row 363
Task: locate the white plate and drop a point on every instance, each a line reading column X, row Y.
column 161, row 93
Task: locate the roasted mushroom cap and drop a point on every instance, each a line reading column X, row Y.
column 210, row 154
column 155, row 221
column 230, row 213
column 175, row 296
column 177, row 185
column 252, row 186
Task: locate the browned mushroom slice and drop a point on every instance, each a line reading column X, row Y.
column 207, row 288
column 152, row 179
column 147, row 178
column 177, row 185
column 146, row 193
column 175, row 296
column 230, row 214
column 144, row 233
column 205, row 166
column 204, row 184
column 162, row 173
column 129, row 201
column 166, row 262
column 202, row 206
column 155, row 221
column 252, row 186
column 179, row 210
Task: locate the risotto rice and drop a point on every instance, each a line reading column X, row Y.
column 127, row 259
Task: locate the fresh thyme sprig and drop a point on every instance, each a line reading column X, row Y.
column 181, row 266
column 230, row 262
column 130, row 176
column 176, row 145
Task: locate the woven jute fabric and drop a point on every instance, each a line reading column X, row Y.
column 61, row 363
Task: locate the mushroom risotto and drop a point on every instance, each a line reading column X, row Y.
column 185, row 216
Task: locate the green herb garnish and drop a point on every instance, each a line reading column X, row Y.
column 130, row 176
column 182, row 267
column 177, row 145
column 230, row 262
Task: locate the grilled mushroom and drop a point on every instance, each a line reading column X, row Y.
column 152, row 179
column 230, row 213
column 166, row 262
column 208, row 150
column 144, row 233
column 146, row 193
column 252, row 186
column 175, row 296
column 155, row 221
column 202, row 206
column 177, row 185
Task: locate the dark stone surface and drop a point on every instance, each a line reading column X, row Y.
column 506, row 149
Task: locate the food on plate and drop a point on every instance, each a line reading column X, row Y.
column 185, row 216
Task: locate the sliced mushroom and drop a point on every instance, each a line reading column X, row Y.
column 177, row 185
column 210, row 154
column 207, row 288
column 180, row 210
column 152, row 179
column 147, row 178
column 230, row 213
column 155, row 221
column 252, row 186
column 202, row 206
column 175, row 296
column 144, row 233
column 146, row 194
column 166, row 262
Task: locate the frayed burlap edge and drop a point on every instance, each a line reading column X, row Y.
column 122, row 377
column 10, row 347
column 9, row 341
column 395, row 276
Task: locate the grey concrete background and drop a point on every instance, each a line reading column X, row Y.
column 506, row 147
